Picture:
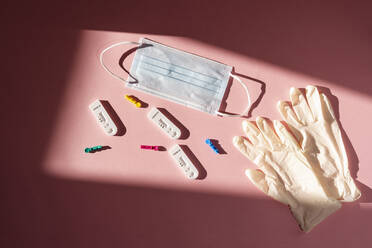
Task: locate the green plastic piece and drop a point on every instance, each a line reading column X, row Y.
column 91, row 149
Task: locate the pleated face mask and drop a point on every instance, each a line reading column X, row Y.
column 178, row 76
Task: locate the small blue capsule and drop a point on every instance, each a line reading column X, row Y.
column 209, row 142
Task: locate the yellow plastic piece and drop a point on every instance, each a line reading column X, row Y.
column 133, row 100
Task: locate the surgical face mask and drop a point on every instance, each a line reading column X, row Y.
column 178, row 76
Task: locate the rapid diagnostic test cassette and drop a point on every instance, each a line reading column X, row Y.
column 103, row 118
column 164, row 123
column 183, row 162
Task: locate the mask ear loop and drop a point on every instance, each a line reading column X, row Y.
column 248, row 96
column 108, row 48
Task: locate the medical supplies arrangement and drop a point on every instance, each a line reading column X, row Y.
column 309, row 171
column 183, row 162
column 302, row 161
column 166, row 125
column 103, row 118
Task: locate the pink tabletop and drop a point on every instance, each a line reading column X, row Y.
column 128, row 197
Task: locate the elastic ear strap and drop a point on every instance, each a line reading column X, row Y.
column 248, row 96
column 108, row 48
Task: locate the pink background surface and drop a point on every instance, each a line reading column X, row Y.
column 55, row 195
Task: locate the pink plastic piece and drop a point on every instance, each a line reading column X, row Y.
column 156, row 148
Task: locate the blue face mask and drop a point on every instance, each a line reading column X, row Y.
column 178, row 76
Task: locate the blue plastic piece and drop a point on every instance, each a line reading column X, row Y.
column 209, row 142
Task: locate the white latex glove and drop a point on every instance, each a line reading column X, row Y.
column 284, row 172
column 313, row 122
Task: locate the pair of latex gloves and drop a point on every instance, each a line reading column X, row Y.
column 301, row 162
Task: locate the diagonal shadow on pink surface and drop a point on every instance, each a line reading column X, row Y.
column 327, row 40
column 86, row 214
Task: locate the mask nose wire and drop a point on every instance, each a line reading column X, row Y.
column 108, row 48
column 248, row 97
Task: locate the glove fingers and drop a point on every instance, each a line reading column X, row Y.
column 285, row 136
column 254, row 134
column 316, row 103
column 257, row 177
column 346, row 186
column 351, row 192
column 288, row 114
column 300, row 106
column 328, row 110
column 245, row 147
column 268, row 132
column 267, row 185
